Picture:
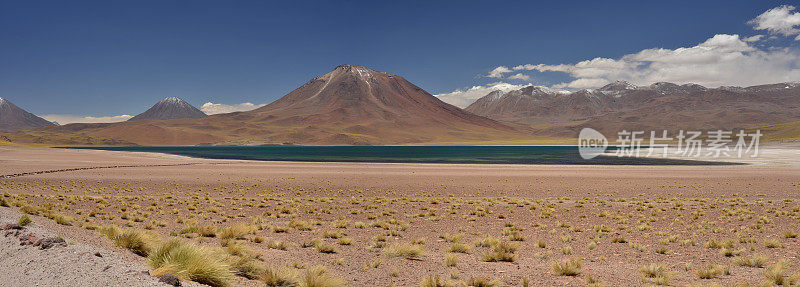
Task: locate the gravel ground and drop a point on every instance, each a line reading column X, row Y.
column 73, row 265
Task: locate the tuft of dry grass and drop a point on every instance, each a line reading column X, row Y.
column 777, row 274
column 403, row 250
column 136, row 241
column 501, row 252
column 757, row 261
column 321, row 247
column 318, row 277
column 207, row 231
column 279, row 277
column 655, row 274
column 24, row 220
column 237, row 231
column 480, row 282
column 190, row 262
column 710, row 272
column 458, row 248
column 568, row 267
column 450, row 260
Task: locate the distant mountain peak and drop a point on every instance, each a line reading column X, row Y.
column 170, row 108
column 618, row 86
column 13, row 118
column 172, row 100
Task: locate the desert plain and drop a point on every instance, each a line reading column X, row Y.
column 381, row 224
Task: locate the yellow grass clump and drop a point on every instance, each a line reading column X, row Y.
column 190, row 262
column 568, row 267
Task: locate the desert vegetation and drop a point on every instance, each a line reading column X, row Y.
column 284, row 236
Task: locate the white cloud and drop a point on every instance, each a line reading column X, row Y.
column 755, row 38
column 779, row 20
column 498, row 72
column 212, row 108
column 519, row 76
column 720, row 60
column 69, row 119
column 464, row 97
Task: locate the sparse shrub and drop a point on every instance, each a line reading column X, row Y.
column 655, row 274
column 345, row 241
column 136, row 241
column 486, row 241
column 190, row 262
column 728, row 252
column 450, row 260
column 207, row 231
column 277, row 244
column 710, row 272
column 24, row 220
column 458, row 248
column 772, row 243
column 777, row 274
column 568, row 267
column 501, row 252
column 236, row 231
column 321, row 247
column 433, row 281
column 318, row 277
column 481, row 282
column 404, row 250
column 751, row 261
column 619, row 240
column 279, row 277
column 62, row 219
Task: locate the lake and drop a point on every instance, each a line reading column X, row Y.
column 406, row 154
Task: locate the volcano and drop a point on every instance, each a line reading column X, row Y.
column 14, row 118
column 170, row 108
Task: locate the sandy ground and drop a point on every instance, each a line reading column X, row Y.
column 667, row 215
column 75, row 264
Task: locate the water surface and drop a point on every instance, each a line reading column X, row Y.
column 406, row 154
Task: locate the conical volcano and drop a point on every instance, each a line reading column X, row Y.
column 170, row 108
column 358, row 102
column 13, row 118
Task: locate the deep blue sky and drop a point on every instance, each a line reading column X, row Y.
column 115, row 57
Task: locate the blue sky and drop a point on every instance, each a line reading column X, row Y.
column 106, row 58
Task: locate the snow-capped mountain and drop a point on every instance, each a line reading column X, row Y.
column 621, row 105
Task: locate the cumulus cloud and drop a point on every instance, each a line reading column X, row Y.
column 69, row 119
column 779, row 20
column 212, row 108
column 498, row 72
column 720, row 60
column 464, row 97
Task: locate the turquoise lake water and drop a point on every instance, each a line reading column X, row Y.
column 405, row 154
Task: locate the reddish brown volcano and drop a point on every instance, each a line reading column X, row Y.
column 360, row 103
column 351, row 105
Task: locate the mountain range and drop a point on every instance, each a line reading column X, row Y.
column 351, row 105
column 659, row 106
column 355, row 105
